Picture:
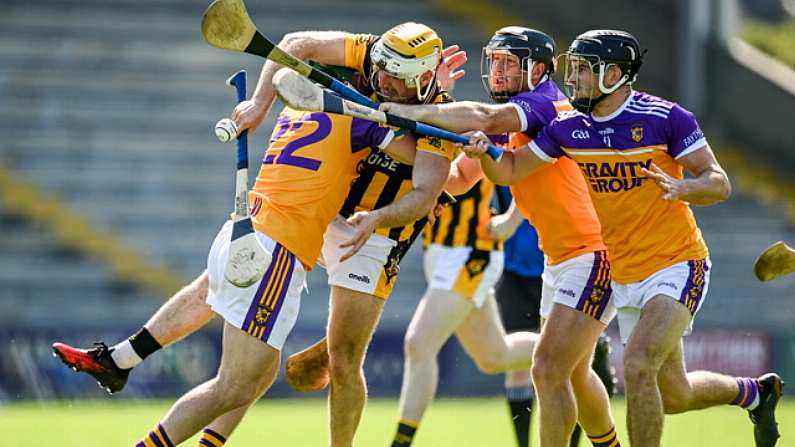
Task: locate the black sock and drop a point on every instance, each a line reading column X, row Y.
column 575, row 436
column 405, row 433
column 143, row 343
column 520, row 401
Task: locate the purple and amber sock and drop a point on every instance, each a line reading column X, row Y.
column 405, row 433
column 609, row 439
column 748, row 393
column 156, row 438
column 211, row 438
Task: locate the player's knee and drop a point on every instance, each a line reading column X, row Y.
column 345, row 360
column 415, row 347
column 675, row 402
column 544, row 370
column 235, row 394
column 639, row 369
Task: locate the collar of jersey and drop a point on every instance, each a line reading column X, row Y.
column 602, row 119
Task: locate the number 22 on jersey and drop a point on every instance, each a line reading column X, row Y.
column 293, row 134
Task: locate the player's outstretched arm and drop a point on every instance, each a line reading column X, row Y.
column 511, row 168
column 327, row 47
column 461, row 116
column 709, row 184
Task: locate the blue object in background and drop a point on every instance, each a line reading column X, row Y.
column 522, row 255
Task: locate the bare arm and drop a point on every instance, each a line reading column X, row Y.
column 403, row 149
column 503, row 226
column 462, row 116
column 428, row 178
column 327, row 47
column 511, row 168
column 709, row 184
column 464, row 173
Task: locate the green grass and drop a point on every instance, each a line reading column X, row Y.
column 449, row 422
column 776, row 40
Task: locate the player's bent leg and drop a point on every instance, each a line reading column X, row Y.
column 438, row 314
column 657, row 334
column 308, row 370
column 567, row 339
column 352, row 320
column 483, row 337
column 258, row 319
column 519, row 302
column 593, row 403
column 684, row 391
column 185, row 313
column 606, row 373
column 181, row 315
column 218, row 431
column 247, row 366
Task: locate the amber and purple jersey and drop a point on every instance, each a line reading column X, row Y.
column 306, row 175
column 644, row 232
column 554, row 198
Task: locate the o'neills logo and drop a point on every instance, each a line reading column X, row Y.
column 614, row 177
column 360, row 278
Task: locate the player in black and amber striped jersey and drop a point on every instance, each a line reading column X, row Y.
column 383, row 180
column 464, row 223
column 462, row 264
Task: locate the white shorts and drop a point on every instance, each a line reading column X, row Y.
column 267, row 309
column 371, row 270
column 469, row 272
column 581, row 283
column 686, row 282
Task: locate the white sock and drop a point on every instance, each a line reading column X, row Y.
column 125, row 356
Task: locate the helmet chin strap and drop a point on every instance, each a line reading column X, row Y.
column 429, row 90
column 530, row 86
column 586, row 105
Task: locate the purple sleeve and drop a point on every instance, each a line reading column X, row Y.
column 545, row 146
column 498, row 138
column 683, row 132
column 366, row 134
column 533, row 114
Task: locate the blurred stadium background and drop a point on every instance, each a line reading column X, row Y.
column 112, row 183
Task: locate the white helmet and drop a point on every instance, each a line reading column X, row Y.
column 406, row 52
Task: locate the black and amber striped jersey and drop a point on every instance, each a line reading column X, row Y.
column 465, row 223
column 383, row 180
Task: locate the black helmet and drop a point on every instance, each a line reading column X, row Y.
column 527, row 44
column 601, row 48
column 612, row 47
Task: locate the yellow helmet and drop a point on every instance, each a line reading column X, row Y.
column 406, row 52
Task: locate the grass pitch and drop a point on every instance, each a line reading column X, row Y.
column 285, row 422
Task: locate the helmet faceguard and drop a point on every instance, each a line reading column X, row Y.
column 407, row 52
column 601, row 50
column 529, row 46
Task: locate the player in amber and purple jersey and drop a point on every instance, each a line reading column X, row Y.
column 633, row 149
